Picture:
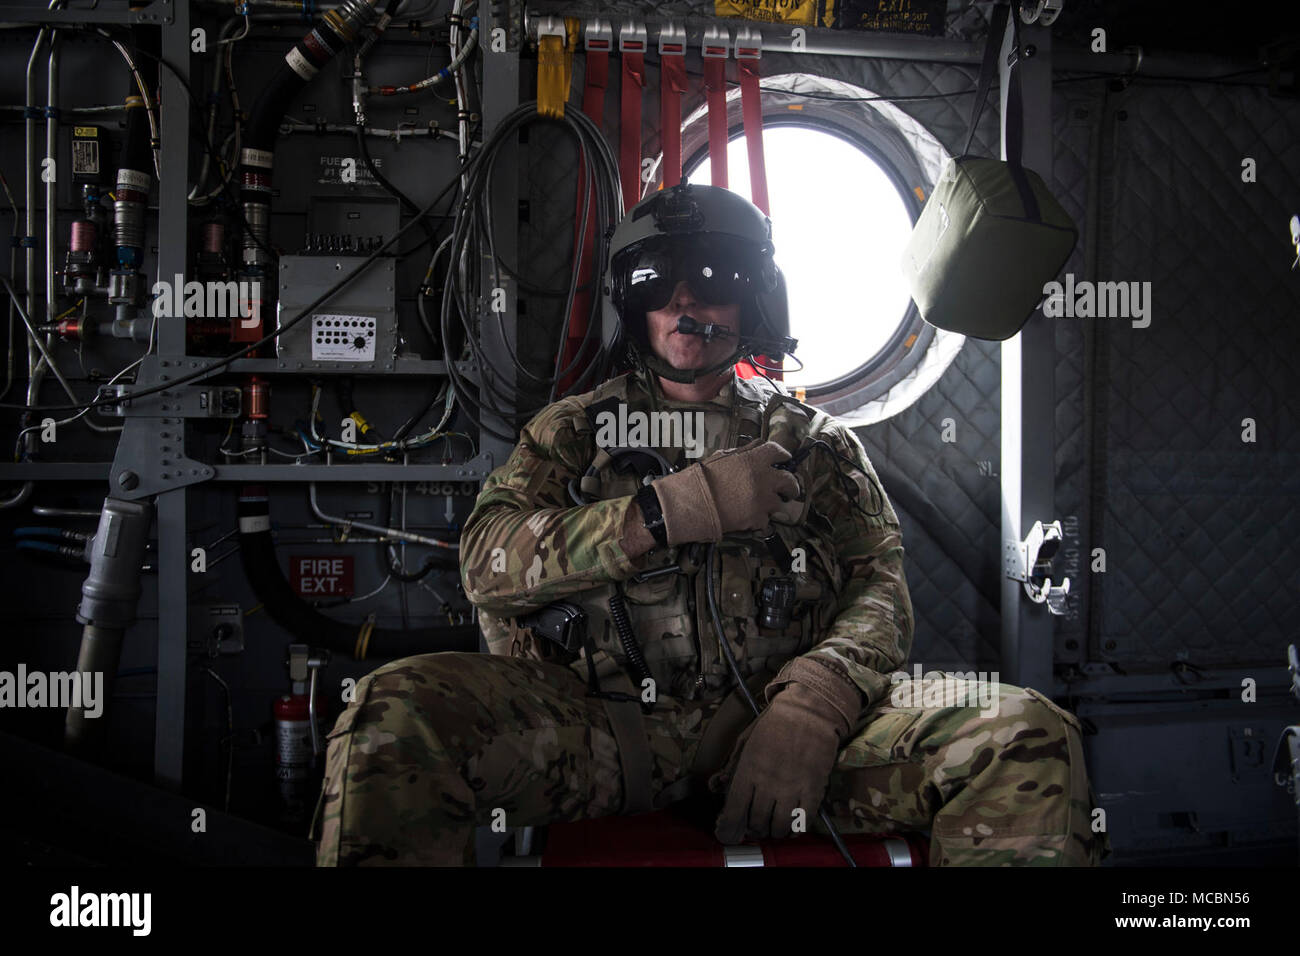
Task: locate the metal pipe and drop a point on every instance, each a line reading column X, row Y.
column 100, row 653
column 45, row 511
column 227, row 30
column 51, row 185
column 41, row 347
column 87, row 110
column 397, row 533
column 291, row 8
column 108, row 605
column 1133, row 62
column 29, row 122
column 289, row 127
column 21, row 496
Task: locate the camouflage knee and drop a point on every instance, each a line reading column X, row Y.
column 435, row 745
column 1003, row 783
column 391, row 792
column 1024, row 797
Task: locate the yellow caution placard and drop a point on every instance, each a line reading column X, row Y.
column 798, row 12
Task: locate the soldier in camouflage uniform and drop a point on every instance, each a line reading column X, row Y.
column 800, row 567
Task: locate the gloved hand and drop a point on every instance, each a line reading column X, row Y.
column 784, row 758
column 733, row 490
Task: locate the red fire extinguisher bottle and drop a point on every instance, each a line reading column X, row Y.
column 295, row 764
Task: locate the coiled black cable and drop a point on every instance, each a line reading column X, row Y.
column 631, row 649
column 474, row 227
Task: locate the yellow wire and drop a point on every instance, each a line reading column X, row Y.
column 70, row 311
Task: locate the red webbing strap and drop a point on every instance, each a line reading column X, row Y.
column 672, row 84
column 715, row 86
column 593, row 104
column 629, row 158
column 597, row 79
column 752, row 108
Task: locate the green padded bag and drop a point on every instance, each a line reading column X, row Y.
column 991, row 234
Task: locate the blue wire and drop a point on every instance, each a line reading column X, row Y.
column 40, row 546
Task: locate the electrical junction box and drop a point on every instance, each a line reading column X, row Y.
column 355, row 327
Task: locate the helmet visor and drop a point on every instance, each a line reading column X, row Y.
column 718, row 272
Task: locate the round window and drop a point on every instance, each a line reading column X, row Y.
column 838, row 233
column 847, row 175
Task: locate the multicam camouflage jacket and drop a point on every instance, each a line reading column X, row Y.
column 529, row 542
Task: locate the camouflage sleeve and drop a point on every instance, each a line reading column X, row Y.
column 526, row 543
column 871, row 635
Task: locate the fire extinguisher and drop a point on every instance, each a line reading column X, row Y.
column 299, row 736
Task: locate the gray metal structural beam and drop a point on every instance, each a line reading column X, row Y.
column 472, row 470
column 173, row 525
column 500, row 96
column 1131, row 61
column 55, row 471
column 1028, row 396
column 147, row 12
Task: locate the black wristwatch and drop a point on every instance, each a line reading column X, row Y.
column 653, row 514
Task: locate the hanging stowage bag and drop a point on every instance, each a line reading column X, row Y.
column 992, row 234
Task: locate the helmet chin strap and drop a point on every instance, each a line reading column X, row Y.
column 651, row 360
column 686, row 376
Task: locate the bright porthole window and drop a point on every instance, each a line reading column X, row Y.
column 839, row 224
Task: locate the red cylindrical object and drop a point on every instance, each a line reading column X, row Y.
column 293, row 753
column 83, row 236
column 71, row 330
column 257, row 397
column 214, row 236
column 247, row 327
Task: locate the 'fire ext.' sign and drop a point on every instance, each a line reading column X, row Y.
column 321, row 576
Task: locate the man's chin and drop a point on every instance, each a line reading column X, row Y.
column 690, row 358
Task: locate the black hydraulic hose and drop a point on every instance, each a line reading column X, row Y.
column 303, row 621
column 109, row 597
column 431, row 563
column 271, row 105
column 136, row 167
column 710, row 587
column 333, row 31
column 137, row 152
column 100, row 653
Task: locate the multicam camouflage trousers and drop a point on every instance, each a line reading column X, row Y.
column 435, row 745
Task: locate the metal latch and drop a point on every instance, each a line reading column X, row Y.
column 749, row 43
column 1293, row 666
column 715, row 43
column 1043, row 12
column 551, row 27
column 672, row 40
column 304, row 665
column 1030, row 561
column 632, row 37
column 598, row 35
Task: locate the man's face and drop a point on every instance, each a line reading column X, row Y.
column 691, row 351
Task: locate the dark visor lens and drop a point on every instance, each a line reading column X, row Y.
column 650, row 272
